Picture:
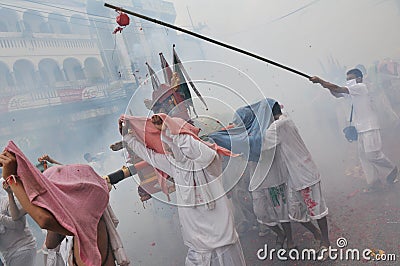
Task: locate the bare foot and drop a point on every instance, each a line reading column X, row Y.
column 323, row 253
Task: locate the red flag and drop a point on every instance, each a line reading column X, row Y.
column 154, row 79
column 166, row 69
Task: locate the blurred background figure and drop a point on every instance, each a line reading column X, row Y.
column 17, row 244
column 95, row 161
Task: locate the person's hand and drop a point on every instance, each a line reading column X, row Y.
column 316, row 79
column 7, row 187
column 44, row 157
column 117, row 146
column 9, row 163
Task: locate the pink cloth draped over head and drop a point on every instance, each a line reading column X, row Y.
column 180, row 126
column 74, row 194
column 146, row 132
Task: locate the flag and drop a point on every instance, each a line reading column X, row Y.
column 182, row 74
column 155, row 82
column 166, row 69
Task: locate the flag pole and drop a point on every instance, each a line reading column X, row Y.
column 162, row 23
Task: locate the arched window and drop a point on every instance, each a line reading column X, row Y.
column 6, row 80
column 3, row 27
column 24, row 73
column 94, row 70
column 50, row 72
column 8, row 20
column 59, row 24
column 73, row 69
column 34, row 21
column 45, row 28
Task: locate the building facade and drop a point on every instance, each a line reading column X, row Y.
column 63, row 73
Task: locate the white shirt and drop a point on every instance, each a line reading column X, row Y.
column 203, row 229
column 284, row 135
column 270, row 170
column 17, row 236
column 364, row 117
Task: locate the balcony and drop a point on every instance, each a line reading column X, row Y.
column 42, row 44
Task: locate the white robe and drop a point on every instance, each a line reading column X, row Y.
column 302, row 170
column 376, row 165
column 17, row 244
column 204, row 227
column 269, row 171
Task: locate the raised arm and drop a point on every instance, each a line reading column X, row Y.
column 160, row 161
column 187, row 148
column 15, row 212
column 7, row 221
column 42, row 217
column 334, row 89
column 46, row 157
column 14, row 209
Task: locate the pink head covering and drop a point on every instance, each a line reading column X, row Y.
column 147, row 133
column 151, row 136
column 179, row 126
column 74, row 194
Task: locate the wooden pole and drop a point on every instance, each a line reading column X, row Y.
column 208, row 39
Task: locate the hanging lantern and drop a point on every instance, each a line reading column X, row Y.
column 122, row 20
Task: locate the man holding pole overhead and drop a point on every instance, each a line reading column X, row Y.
column 377, row 167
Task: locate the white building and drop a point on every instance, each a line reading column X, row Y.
column 62, row 71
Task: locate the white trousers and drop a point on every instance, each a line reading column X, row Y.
column 374, row 162
column 271, row 209
column 229, row 255
column 53, row 257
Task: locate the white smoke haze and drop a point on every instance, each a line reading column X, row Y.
column 304, row 35
column 355, row 32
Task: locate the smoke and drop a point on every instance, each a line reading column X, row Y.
column 309, row 39
column 324, row 38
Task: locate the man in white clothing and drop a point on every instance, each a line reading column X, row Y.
column 204, row 212
column 17, row 244
column 305, row 199
column 377, row 167
column 270, row 195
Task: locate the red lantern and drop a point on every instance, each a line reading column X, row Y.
column 122, row 19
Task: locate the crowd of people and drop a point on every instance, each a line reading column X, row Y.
column 71, row 202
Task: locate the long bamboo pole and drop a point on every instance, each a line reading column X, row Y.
column 208, row 39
